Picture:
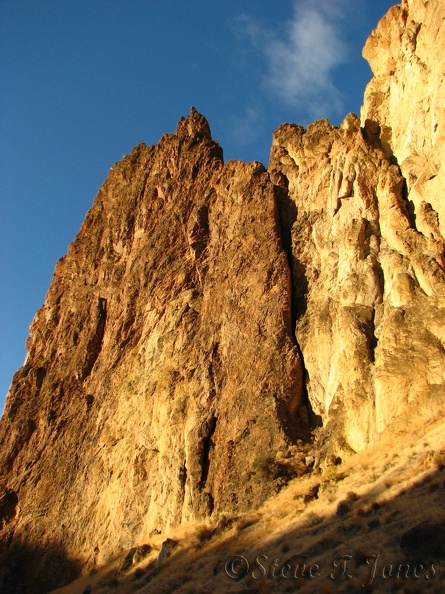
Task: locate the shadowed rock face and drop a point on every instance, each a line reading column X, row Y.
column 207, row 313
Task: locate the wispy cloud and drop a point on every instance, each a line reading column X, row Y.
column 301, row 58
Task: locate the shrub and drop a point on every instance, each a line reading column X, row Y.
column 264, row 465
column 313, row 519
column 225, row 522
column 374, row 523
column 330, row 474
column 351, row 496
column 343, row 507
column 203, row 532
column 282, row 467
column 247, row 521
column 439, row 460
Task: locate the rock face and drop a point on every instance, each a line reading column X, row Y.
column 369, row 288
column 406, row 98
column 210, row 314
column 163, row 362
column 366, row 237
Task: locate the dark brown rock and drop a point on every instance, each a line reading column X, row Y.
column 168, row 546
column 134, row 556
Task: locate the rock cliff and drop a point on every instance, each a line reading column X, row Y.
column 405, row 98
column 209, row 315
column 363, row 217
column 369, row 287
column 163, row 363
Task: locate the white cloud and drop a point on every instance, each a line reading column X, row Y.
column 300, row 59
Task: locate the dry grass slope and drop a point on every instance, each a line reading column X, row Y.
column 337, row 530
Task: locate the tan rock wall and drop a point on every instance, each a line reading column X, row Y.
column 369, row 288
column 406, row 98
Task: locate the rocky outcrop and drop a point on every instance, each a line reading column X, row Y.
column 406, row 98
column 363, row 215
column 163, row 362
column 369, row 288
column 208, row 315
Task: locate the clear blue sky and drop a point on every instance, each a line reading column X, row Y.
column 83, row 81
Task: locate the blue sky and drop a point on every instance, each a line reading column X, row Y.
column 83, row 81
